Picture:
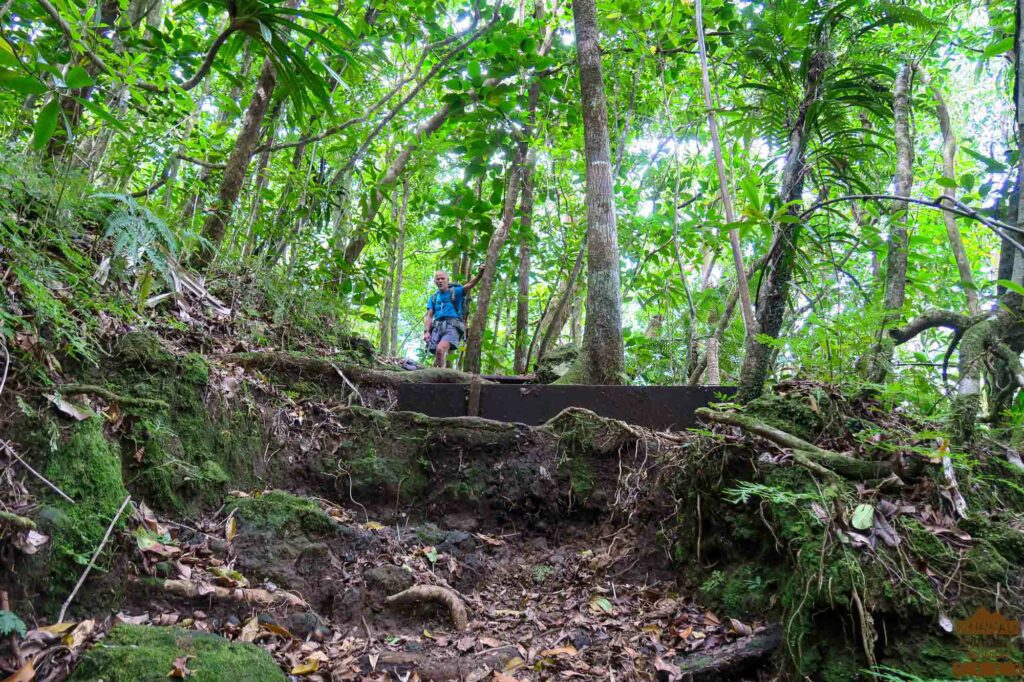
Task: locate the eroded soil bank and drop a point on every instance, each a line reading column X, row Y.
column 278, row 509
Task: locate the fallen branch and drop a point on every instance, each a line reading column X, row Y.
column 728, row 660
column 21, row 522
column 822, row 461
column 439, row 595
column 191, row 590
column 107, row 394
column 352, row 387
column 92, row 561
column 305, row 364
column 15, row 455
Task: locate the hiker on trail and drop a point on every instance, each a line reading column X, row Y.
column 444, row 326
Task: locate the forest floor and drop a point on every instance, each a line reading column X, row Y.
column 284, row 521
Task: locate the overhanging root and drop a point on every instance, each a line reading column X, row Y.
column 806, row 454
column 443, row 596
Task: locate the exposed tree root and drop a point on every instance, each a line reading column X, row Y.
column 190, row 590
column 304, row 364
column 9, row 519
column 107, row 394
column 432, row 593
column 724, row 661
column 807, row 454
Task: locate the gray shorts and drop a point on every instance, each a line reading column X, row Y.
column 444, row 330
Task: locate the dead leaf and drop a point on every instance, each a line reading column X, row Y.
column 311, row 665
column 58, row 628
column 77, row 411
column 278, row 630
column 710, row 618
column 373, row 525
column 249, row 630
column 672, row 671
column 491, row 643
column 179, row 668
column 230, row 528
column 488, row 540
column 131, row 620
column 373, row 661
column 514, row 663
column 740, row 628
column 567, row 650
column 79, row 634
column 465, row 644
column 502, row 677
column 25, row 673
column 29, row 541
column 601, row 605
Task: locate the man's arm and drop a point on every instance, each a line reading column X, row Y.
column 428, row 322
column 476, row 278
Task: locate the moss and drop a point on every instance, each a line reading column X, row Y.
column 86, row 466
column 145, row 350
column 279, row 511
column 396, row 472
column 806, row 416
column 135, row 653
column 743, row 590
column 196, row 369
column 579, row 475
column 1007, row 539
column 556, row 363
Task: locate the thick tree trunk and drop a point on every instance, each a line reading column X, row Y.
column 602, row 358
column 238, row 163
column 956, row 243
column 775, row 280
column 523, row 294
column 880, row 362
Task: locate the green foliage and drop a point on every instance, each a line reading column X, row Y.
column 281, row 512
column 10, row 624
column 139, row 235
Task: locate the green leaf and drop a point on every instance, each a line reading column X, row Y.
column 863, row 516
column 46, row 124
column 998, row 48
column 1011, row 286
column 25, row 85
column 945, row 182
column 78, row 78
column 11, row 624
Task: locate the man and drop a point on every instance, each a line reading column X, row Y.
column 443, row 327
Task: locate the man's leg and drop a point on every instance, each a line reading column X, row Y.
column 442, row 352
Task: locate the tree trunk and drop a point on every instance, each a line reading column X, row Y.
column 478, row 324
column 956, row 243
column 399, row 266
column 880, row 362
column 523, row 295
column 238, row 164
column 602, row 358
column 750, row 324
column 775, row 280
column 561, row 311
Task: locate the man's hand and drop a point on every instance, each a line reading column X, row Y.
column 426, row 336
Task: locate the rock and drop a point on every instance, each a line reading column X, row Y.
column 556, row 362
column 146, row 653
column 457, row 542
column 463, row 522
column 304, row 623
column 430, row 534
column 388, row 579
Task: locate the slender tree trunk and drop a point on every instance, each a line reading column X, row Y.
column 237, row 165
column 399, row 267
column 880, row 362
column 389, row 287
column 775, row 280
column 602, row 358
column 750, row 324
column 561, row 312
column 523, row 293
column 956, row 243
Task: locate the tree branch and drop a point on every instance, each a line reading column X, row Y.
column 931, row 320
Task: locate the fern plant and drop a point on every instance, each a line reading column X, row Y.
column 140, row 236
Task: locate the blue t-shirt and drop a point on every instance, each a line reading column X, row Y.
column 441, row 303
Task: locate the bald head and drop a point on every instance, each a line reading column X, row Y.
column 441, row 280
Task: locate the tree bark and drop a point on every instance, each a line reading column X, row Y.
column 956, row 243
column 561, row 312
column 880, row 361
column 602, row 358
column 749, row 323
column 523, row 295
column 775, row 280
column 396, row 304
column 238, row 163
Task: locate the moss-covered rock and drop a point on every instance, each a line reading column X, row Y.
column 180, row 460
column 282, row 512
column 87, row 466
column 138, row 653
column 556, row 363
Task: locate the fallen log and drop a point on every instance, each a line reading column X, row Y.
column 304, row 364
column 728, row 661
column 443, row 596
